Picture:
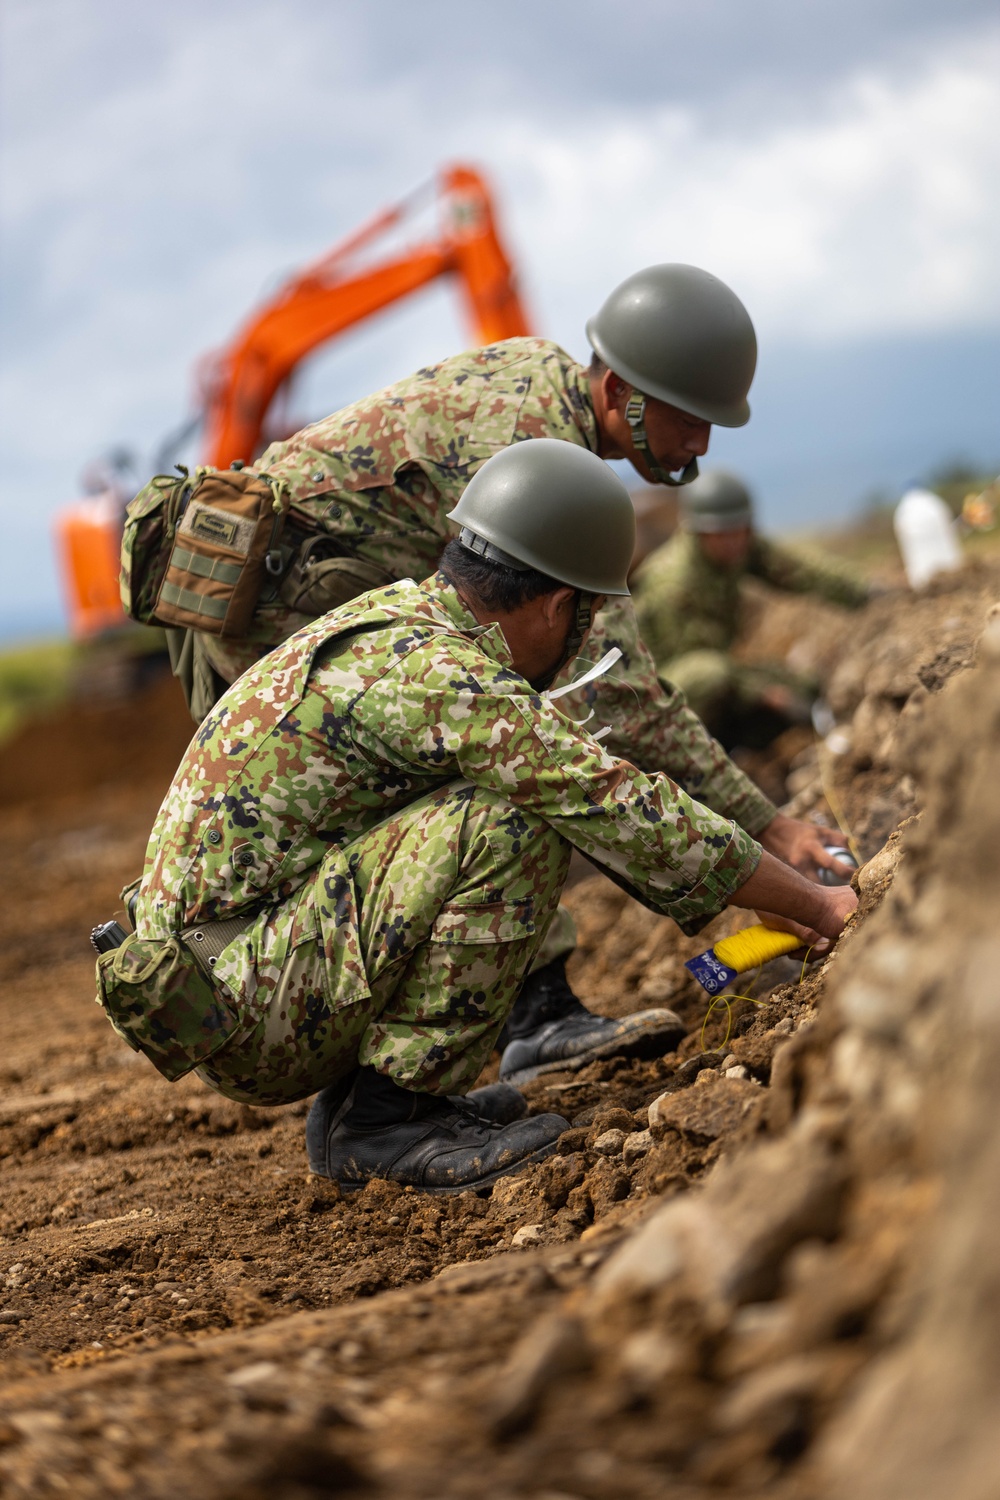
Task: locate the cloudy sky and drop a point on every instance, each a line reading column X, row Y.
column 836, row 161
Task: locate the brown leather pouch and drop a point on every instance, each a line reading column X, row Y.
column 224, row 543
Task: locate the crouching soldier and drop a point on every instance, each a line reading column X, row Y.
column 373, row 491
column 364, row 845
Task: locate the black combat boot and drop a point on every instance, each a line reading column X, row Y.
column 549, row 1029
column 367, row 1126
column 499, row 1103
column 496, row 1103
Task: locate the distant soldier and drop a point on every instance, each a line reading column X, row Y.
column 688, row 604
column 365, row 844
column 373, row 489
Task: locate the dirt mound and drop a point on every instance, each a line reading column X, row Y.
column 735, row 1275
column 79, row 748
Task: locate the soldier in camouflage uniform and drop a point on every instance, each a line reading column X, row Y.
column 378, row 480
column 385, row 806
column 688, row 606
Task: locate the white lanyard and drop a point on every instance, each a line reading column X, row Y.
column 604, row 665
column 592, row 673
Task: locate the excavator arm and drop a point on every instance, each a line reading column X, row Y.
column 241, row 381
column 238, row 383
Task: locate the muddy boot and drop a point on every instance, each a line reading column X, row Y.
column 327, row 1110
column 548, row 1029
column 497, row 1103
column 500, row 1103
column 377, row 1129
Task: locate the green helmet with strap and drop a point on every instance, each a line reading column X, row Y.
column 716, row 501
column 680, row 335
column 555, row 507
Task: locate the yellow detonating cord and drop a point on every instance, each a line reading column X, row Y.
column 745, row 950
column 753, row 946
column 727, row 1001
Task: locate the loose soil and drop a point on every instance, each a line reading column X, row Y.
column 185, row 1310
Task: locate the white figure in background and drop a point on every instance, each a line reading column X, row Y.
column 925, row 531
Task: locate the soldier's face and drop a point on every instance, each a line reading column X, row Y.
column 537, row 633
column 674, row 436
column 726, row 549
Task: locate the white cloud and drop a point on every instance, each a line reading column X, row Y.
column 143, row 221
column 879, row 214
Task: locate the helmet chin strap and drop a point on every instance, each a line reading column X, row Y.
column 635, row 416
column 574, row 641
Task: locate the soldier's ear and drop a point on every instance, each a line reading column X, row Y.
column 615, row 391
column 558, row 606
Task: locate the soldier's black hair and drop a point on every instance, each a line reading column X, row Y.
column 493, row 585
column 597, row 367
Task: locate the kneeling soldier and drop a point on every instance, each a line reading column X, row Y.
column 689, row 605
column 366, row 841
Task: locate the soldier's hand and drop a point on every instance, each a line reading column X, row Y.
column 783, row 899
column 828, row 925
column 804, row 847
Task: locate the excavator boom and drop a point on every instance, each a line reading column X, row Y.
column 238, row 383
column 332, row 295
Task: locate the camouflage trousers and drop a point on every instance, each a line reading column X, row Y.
column 452, row 899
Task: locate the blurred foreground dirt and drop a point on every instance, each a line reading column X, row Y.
column 779, row 1279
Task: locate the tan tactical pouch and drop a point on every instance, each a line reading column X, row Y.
column 197, row 551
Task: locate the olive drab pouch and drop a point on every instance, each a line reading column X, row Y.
column 197, row 549
column 161, row 1000
column 321, row 577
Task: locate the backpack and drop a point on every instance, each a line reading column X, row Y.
column 197, row 549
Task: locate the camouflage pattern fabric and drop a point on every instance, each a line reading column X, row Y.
column 559, row 940
column 685, row 603
column 160, row 1002
column 383, row 785
column 379, row 478
column 713, row 682
column 451, row 899
column 652, row 724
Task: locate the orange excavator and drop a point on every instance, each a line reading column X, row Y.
column 237, row 385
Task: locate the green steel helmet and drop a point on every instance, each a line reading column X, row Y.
column 715, row 501
column 552, row 506
column 680, row 335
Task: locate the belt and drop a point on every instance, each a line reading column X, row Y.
column 206, row 941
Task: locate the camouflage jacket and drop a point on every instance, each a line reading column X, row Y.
column 380, row 478
column 358, row 715
column 684, row 603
